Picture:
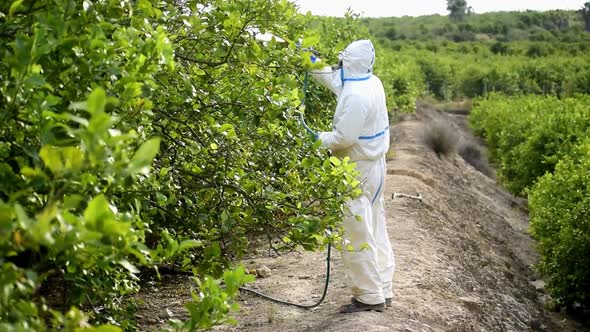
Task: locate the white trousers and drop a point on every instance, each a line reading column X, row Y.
column 370, row 265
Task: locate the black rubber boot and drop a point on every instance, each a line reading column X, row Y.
column 356, row 306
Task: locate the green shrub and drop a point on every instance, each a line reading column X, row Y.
column 402, row 81
column 560, row 221
column 539, row 50
column 68, row 169
column 528, row 135
column 137, row 133
column 500, row 48
column 474, row 82
column 437, row 77
column 542, row 148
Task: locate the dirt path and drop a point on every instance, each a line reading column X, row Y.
column 463, row 257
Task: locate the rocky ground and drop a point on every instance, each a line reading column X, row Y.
column 463, row 256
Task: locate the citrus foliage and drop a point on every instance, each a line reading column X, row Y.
column 138, row 133
column 527, row 136
column 541, row 147
column 402, row 79
column 66, row 165
column 454, row 75
column 560, row 220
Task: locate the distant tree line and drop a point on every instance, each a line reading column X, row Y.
column 462, row 24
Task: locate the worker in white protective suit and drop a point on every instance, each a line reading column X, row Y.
column 361, row 132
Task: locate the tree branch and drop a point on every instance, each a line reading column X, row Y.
column 198, row 61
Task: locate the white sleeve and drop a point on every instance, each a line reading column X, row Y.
column 325, row 76
column 348, row 129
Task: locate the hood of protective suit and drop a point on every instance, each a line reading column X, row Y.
column 357, row 62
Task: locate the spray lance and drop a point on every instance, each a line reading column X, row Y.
column 265, row 38
column 314, row 57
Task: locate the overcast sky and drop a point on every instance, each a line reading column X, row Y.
column 376, row 8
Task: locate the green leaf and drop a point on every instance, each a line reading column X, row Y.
column 35, row 81
column 226, row 127
column 97, row 101
column 162, row 199
column 335, row 161
column 164, row 171
column 58, row 159
column 22, row 217
column 310, row 41
column 187, row 244
column 98, row 211
column 6, row 217
column 101, row 328
column 132, row 89
column 41, row 230
column 100, row 123
column 73, row 158
column 31, row 172
column 173, row 246
column 72, row 201
column 51, row 158
column 143, row 157
column 215, row 249
column 14, row 6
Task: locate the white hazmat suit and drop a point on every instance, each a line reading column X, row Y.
column 361, row 132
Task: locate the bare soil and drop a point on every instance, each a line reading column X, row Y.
column 463, row 257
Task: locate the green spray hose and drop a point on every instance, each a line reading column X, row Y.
column 301, row 118
column 304, row 306
column 329, row 251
